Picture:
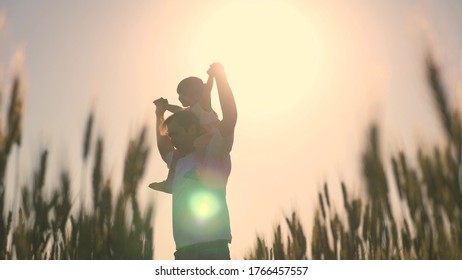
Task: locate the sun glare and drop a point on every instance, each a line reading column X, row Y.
column 204, row 205
column 268, row 47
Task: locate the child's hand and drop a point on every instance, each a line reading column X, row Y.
column 161, row 105
column 216, row 69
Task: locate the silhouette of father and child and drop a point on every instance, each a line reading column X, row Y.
column 196, row 146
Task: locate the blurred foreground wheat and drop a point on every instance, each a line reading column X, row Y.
column 45, row 228
column 429, row 192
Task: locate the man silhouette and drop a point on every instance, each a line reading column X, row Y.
column 200, row 172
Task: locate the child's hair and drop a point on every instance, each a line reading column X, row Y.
column 192, row 85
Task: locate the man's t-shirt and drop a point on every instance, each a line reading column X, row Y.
column 200, row 213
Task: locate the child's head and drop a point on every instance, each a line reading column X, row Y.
column 190, row 91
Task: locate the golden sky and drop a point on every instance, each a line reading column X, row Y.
column 308, row 77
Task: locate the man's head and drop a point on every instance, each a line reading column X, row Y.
column 183, row 128
column 190, row 91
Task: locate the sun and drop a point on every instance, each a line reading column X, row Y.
column 269, row 48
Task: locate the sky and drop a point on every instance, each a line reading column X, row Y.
column 308, row 78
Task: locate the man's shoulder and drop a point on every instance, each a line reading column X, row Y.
column 221, row 143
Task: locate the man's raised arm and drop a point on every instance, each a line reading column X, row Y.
column 227, row 102
column 163, row 142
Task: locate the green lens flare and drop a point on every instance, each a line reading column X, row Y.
column 204, row 205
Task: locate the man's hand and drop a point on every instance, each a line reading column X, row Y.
column 216, row 69
column 161, row 106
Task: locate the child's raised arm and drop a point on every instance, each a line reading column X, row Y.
column 173, row 108
column 206, row 101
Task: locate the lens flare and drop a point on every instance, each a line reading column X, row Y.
column 204, row 205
